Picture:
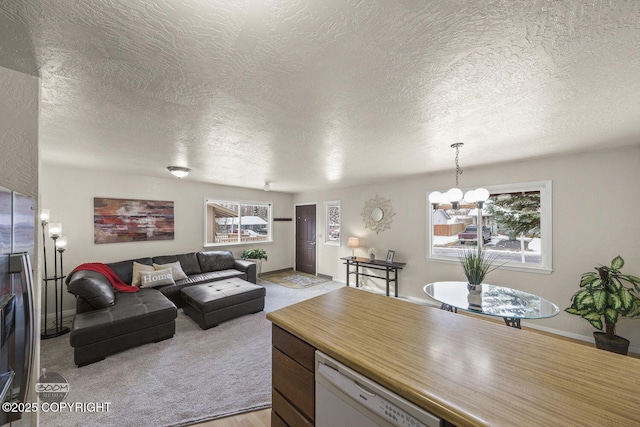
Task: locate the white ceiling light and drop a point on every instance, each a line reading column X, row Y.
column 267, row 187
column 454, row 195
column 179, row 171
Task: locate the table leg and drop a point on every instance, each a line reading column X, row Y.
column 512, row 321
column 387, row 277
column 395, row 278
column 348, row 272
column 448, row 307
column 357, row 275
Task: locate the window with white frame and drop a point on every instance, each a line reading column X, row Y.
column 233, row 222
column 332, row 223
column 516, row 220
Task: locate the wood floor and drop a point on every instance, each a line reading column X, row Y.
column 250, row 419
column 263, row 418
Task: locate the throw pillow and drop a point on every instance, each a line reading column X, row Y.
column 176, row 269
column 137, row 268
column 150, row 279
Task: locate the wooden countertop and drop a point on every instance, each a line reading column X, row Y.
column 468, row 371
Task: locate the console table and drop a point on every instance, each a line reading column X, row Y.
column 378, row 264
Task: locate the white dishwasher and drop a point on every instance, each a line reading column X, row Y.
column 346, row 398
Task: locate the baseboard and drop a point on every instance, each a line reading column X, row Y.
column 275, row 271
column 323, row 276
column 67, row 317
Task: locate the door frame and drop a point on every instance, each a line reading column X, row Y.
column 295, row 231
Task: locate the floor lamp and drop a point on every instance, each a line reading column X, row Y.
column 59, row 245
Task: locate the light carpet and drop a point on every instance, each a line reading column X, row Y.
column 293, row 279
column 193, row 377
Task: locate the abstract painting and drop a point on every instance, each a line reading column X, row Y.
column 127, row 220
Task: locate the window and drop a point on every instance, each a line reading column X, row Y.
column 230, row 222
column 332, row 223
column 516, row 227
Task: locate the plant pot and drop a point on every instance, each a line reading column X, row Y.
column 616, row 344
column 474, row 288
column 372, row 257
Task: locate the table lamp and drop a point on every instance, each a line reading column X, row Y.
column 353, row 243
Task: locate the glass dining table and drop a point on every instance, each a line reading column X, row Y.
column 498, row 301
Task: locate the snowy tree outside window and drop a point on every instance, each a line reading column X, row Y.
column 332, row 222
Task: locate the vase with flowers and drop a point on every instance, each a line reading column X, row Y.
column 372, row 254
column 476, row 265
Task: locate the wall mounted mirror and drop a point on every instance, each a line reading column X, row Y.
column 377, row 214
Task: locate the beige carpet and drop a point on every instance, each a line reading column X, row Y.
column 293, row 279
column 193, row 377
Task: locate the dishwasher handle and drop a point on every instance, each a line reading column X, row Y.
column 364, row 390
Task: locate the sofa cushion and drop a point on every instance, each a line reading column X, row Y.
column 137, row 269
column 131, row 312
column 150, row 279
column 93, row 287
column 216, row 261
column 210, row 277
column 176, row 269
column 124, row 269
column 224, row 293
column 188, row 262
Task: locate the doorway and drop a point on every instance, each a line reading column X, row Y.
column 306, row 238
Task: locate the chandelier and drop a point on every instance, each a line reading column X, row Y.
column 454, row 195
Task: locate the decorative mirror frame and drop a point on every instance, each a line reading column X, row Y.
column 387, row 214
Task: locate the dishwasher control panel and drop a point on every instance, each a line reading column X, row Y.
column 353, row 392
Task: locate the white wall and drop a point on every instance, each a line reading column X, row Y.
column 68, row 194
column 596, row 206
column 19, row 102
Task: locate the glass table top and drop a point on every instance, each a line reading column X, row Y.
column 492, row 300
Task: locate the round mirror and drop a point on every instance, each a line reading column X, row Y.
column 376, row 214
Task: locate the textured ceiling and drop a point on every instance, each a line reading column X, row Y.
column 312, row 94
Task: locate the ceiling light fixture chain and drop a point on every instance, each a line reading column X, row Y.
column 459, row 171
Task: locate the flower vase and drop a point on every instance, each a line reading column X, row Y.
column 372, row 257
column 474, row 288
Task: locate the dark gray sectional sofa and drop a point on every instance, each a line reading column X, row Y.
column 109, row 321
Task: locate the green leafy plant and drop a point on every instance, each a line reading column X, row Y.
column 477, row 264
column 603, row 295
column 254, row 254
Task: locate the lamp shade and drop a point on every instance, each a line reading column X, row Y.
column 482, row 194
column 470, row 196
column 55, row 229
column 353, row 242
column 61, row 243
column 435, row 197
column 44, row 215
column 455, row 194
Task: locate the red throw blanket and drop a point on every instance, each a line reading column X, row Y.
column 107, row 272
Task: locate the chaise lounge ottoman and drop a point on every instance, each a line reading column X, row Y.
column 211, row 303
column 134, row 319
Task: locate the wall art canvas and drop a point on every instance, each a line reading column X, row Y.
column 127, row 220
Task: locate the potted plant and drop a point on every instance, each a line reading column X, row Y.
column 256, row 255
column 476, row 265
column 372, row 254
column 606, row 294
